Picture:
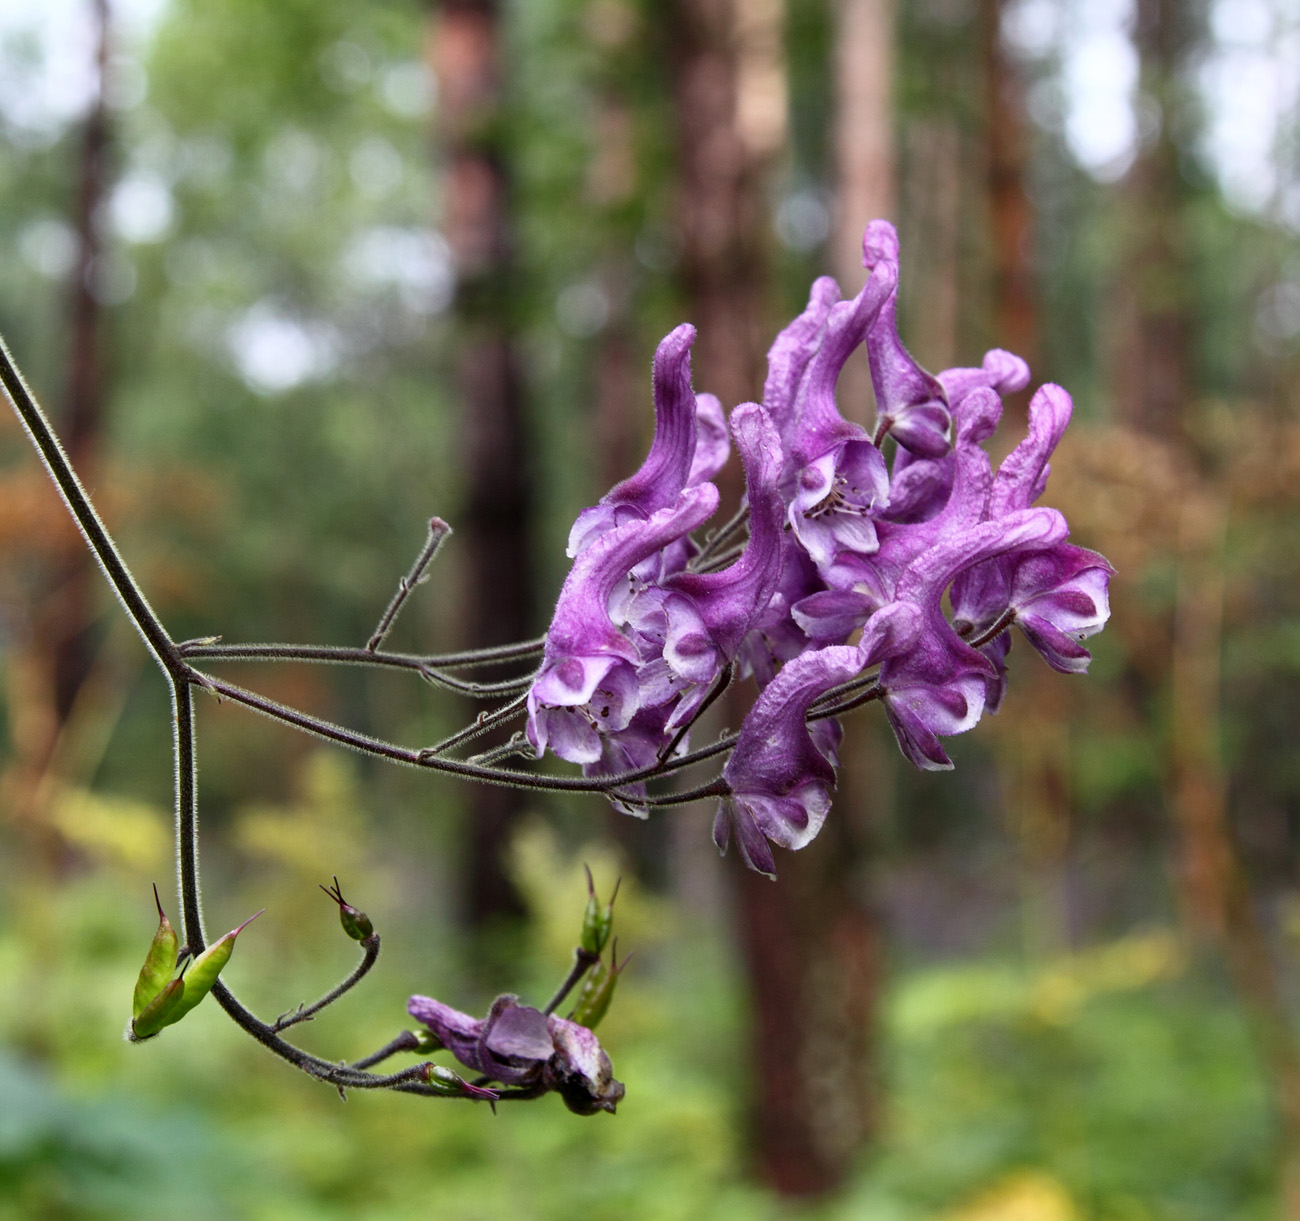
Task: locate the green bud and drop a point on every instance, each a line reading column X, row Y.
column 597, row 991
column 355, row 922
column 159, row 1012
column 426, row 1041
column 204, row 970
column 597, row 920
column 159, row 964
column 451, row 1085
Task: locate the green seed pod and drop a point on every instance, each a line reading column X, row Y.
column 159, row 1012
column 597, row 991
column 597, row 920
column 451, row 1085
column 159, row 964
column 354, row 921
column 204, row 970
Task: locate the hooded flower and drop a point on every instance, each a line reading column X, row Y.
column 862, row 584
column 588, row 682
column 782, row 770
column 667, row 468
column 840, row 477
column 698, row 620
column 939, row 686
column 1058, row 597
column 790, row 353
column 522, row 1047
column 911, row 404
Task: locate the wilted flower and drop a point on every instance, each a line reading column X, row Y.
column 522, row 1047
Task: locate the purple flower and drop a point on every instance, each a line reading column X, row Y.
column 699, row 619
column 522, row 1047
column 782, row 770
column 861, row 584
column 1058, row 597
column 939, row 686
column 911, row 404
column 840, row 476
column 788, row 357
column 588, row 683
column 667, row 468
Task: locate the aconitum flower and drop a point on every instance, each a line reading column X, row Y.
column 588, row 683
column 1057, row 597
column 524, row 1048
column 938, row 688
column 840, row 476
column 667, row 468
column 911, row 405
column 694, row 623
column 782, row 770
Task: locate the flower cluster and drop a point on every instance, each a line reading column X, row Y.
column 843, row 546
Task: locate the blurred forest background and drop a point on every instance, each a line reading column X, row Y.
column 295, row 275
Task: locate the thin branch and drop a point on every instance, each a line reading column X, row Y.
column 721, row 536
column 479, row 726
column 438, row 530
column 429, row 668
column 305, row 1013
column 406, row 1041
column 714, row 788
column 583, row 961
column 41, row 433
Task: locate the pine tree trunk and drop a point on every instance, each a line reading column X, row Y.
column 493, row 529
column 809, row 945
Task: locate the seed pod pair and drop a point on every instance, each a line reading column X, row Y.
column 161, row 996
column 597, row 920
column 598, row 990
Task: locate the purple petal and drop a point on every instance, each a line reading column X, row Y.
column 789, row 355
column 819, row 425
column 1023, row 473
column 668, row 465
column 521, row 1033
column 1002, row 371
column 754, row 849
column 712, row 446
column 910, row 403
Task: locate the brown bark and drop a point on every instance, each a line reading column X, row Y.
column 810, row 947
column 465, row 54
column 864, row 161
column 1014, row 319
column 1155, row 375
column 66, row 632
column 1156, row 381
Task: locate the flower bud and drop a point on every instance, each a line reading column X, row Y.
column 452, row 1085
column 426, row 1041
column 355, row 922
column 597, row 920
column 159, row 964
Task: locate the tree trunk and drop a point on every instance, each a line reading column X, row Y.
column 810, row 947
column 1014, row 324
column 69, row 613
column 466, row 55
column 1156, row 380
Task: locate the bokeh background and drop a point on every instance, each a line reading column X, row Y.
column 295, row 275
